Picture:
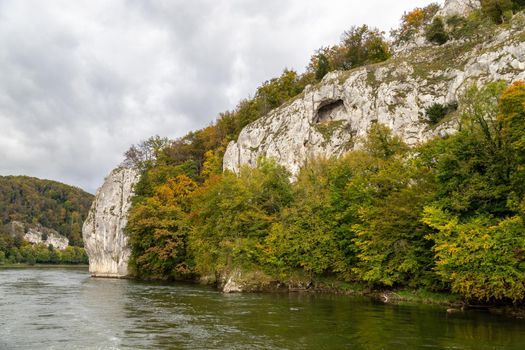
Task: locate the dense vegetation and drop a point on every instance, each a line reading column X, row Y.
column 49, row 203
column 445, row 216
column 14, row 250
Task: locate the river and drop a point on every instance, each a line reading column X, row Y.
column 63, row 308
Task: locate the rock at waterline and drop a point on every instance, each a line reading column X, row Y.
column 103, row 231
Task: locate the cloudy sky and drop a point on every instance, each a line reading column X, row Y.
column 82, row 80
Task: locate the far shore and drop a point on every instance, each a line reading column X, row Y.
column 44, row 266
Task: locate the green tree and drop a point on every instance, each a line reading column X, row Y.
column 391, row 193
column 304, row 237
column 391, row 239
column 472, row 167
column 273, row 93
column 232, row 215
column 363, row 45
column 497, row 10
column 380, row 142
column 158, row 230
column 322, row 66
column 511, row 121
column 145, row 154
column 482, row 258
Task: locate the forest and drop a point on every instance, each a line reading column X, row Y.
column 50, row 204
column 446, row 215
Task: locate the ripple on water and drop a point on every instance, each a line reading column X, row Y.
column 64, row 309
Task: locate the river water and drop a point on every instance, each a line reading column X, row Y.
column 66, row 309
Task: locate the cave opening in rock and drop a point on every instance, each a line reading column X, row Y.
column 330, row 111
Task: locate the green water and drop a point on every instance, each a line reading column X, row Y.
column 66, row 309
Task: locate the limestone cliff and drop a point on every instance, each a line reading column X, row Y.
column 48, row 237
column 458, row 7
column 104, row 239
column 38, row 234
column 330, row 118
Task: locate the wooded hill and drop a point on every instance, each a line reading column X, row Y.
column 49, row 203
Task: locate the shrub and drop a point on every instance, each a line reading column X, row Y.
column 437, row 111
column 359, row 46
column 497, row 10
column 322, row 66
column 435, row 32
column 413, row 21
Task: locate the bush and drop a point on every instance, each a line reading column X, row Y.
column 481, row 258
column 435, row 32
column 438, row 111
column 413, row 21
column 322, row 67
column 497, row 10
column 460, row 27
column 359, row 46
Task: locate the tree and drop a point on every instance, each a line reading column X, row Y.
column 472, row 167
column 511, row 121
column 381, row 143
column 391, row 193
column 497, row 10
column 322, row 66
column 158, row 230
column 304, row 236
column 482, row 258
column 144, row 154
column 412, row 22
column 391, row 239
column 363, row 45
column 232, row 215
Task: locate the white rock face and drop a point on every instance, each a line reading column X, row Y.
column 458, row 7
column 105, row 242
column 38, row 234
column 232, row 285
column 330, row 119
column 35, row 235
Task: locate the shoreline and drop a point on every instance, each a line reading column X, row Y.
column 42, row 266
column 449, row 302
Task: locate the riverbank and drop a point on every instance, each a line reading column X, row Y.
column 43, row 266
column 239, row 281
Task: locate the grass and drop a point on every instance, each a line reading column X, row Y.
column 327, row 129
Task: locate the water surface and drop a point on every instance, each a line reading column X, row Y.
column 66, row 309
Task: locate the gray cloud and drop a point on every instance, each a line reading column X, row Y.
column 80, row 81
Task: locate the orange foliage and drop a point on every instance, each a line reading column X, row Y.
column 414, row 18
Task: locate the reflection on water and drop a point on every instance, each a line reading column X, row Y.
column 66, row 309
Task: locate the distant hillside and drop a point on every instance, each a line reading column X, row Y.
column 49, row 203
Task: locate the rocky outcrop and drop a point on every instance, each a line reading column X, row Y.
column 332, row 117
column 38, row 234
column 48, row 237
column 458, row 7
column 238, row 281
column 104, row 239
